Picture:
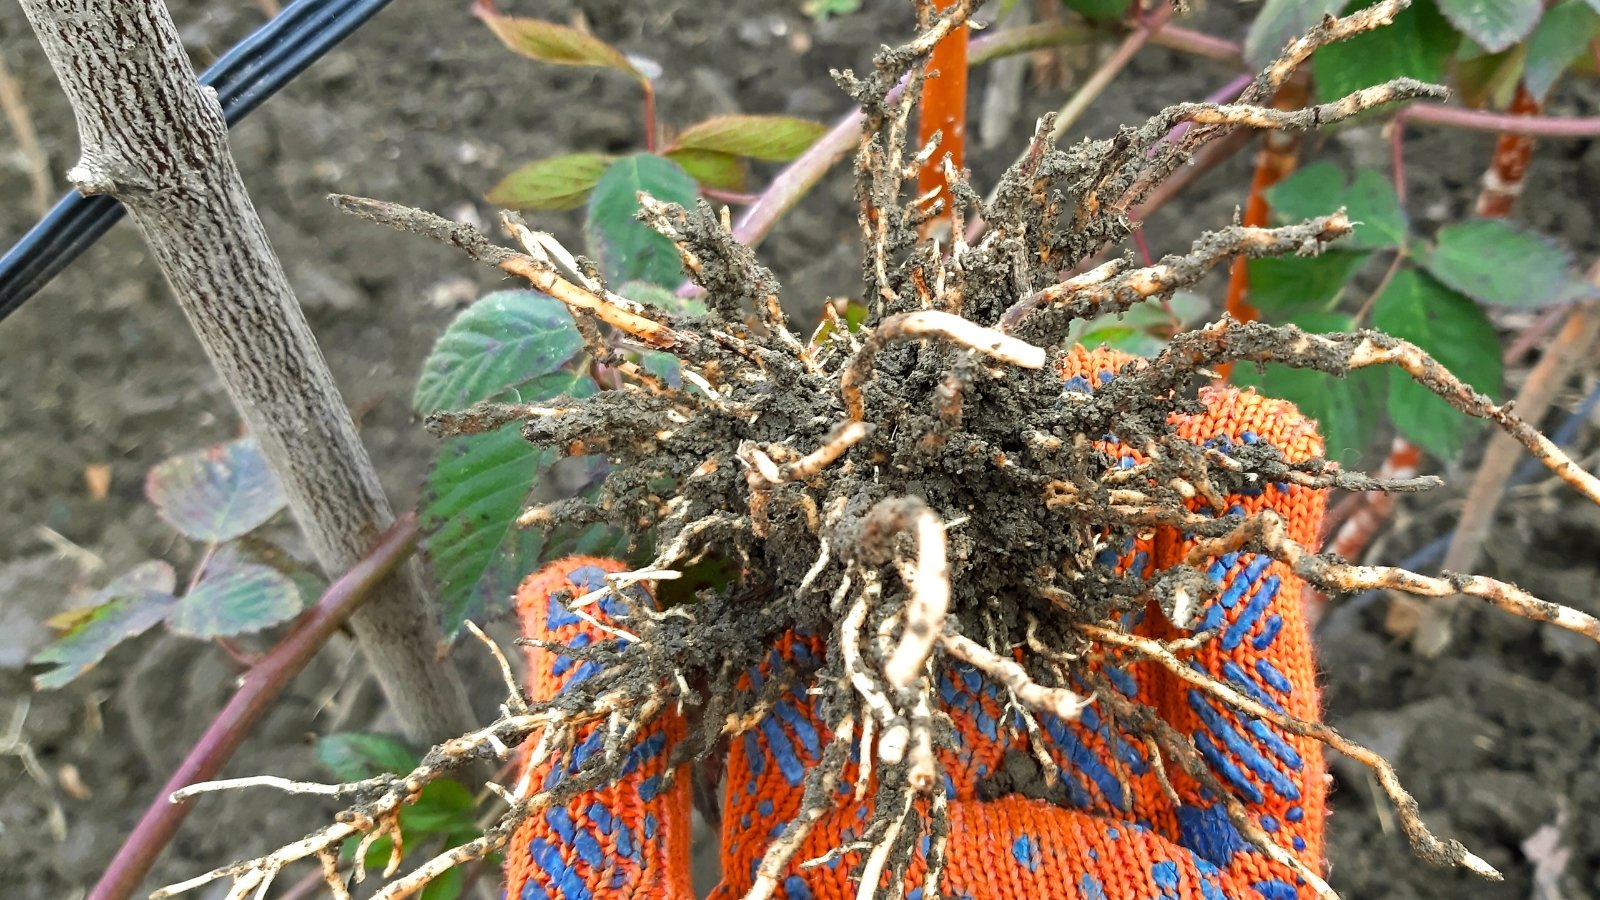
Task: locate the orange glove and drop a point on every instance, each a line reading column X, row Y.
column 1107, row 830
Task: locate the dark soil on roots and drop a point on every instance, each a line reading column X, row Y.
column 1499, row 740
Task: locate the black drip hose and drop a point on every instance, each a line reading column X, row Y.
column 244, row 77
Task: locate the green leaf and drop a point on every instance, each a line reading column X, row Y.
column 1100, row 10
column 1563, row 35
column 555, row 44
column 1121, row 337
column 629, row 250
column 1494, row 261
column 259, row 551
column 444, row 807
column 377, row 853
column 1144, row 328
column 235, row 601
column 560, row 182
column 665, row 300
column 1280, row 284
column 449, row 885
column 1493, row 24
column 770, row 138
column 1417, row 45
column 713, row 169
column 497, row 345
column 1278, row 23
column 478, row 486
column 1454, row 331
column 1345, row 408
column 855, row 316
column 1488, row 79
column 357, row 756
column 1369, row 200
column 217, row 493
column 660, row 363
column 125, row 608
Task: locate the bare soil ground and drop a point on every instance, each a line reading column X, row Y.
column 1500, row 740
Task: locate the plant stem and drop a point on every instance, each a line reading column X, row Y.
column 650, row 136
column 1147, row 28
column 1573, row 128
column 154, row 140
column 1570, row 347
column 732, row 198
column 1197, row 43
column 1508, row 168
column 260, row 687
column 1027, row 39
column 799, row 177
column 1212, row 47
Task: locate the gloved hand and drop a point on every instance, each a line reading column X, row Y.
column 1109, row 829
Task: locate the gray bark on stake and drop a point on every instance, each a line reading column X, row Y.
column 154, row 139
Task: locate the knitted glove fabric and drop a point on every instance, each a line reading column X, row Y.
column 627, row 839
column 1106, row 830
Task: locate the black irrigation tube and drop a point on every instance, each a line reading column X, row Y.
column 244, row 77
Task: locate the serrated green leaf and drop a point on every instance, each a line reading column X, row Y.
column 1417, row 45
column 218, row 493
column 357, row 756
column 1344, row 408
column 127, row 607
column 230, row 602
column 1495, row 261
column 770, row 138
column 444, row 807
column 1562, row 36
column 498, row 344
column 1278, row 23
column 551, row 43
column 250, row 549
column 560, row 182
column 713, row 169
column 1283, row 284
column 477, row 487
column 1454, row 331
column 1493, row 24
column 1369, row 200
column 627, row 249
column 1100, row 10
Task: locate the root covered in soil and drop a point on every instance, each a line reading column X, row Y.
column 926, row 488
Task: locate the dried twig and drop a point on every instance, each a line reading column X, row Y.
column 618, row 312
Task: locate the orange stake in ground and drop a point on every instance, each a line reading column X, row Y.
column 1277, row 160
column 944, row 111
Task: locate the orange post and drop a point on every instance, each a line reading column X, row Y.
column 1278, row 158
column 944, row 109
